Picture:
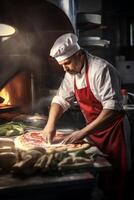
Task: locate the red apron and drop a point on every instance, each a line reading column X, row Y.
column 111, row 140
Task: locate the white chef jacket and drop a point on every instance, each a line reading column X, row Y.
column 104, row 83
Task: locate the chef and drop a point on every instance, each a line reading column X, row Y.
column 95, row 84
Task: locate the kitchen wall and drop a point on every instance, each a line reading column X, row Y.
column 117, row 26
column 124, row 57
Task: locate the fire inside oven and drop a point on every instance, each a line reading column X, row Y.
column 16, row 93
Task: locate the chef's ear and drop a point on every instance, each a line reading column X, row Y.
column 80, row 52
column 50, row 58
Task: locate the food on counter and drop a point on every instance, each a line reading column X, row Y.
column 35, row 139
column 47, row 159
column 33, row 161
column 34, row 154
column 73, row 161
column 27, row 161
column 11, row 129
column 68, row 160
column 7, row 142
column 59, row 156
column 29, row 140
column 6, row 149
column 8, row 156
column 7, row 160
column 80, row 159
column 41, row 162
column 29, row 153
column 40, row 149
column 77, row 147
column 50, row 163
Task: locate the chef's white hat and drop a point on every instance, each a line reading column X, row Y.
column 64, row 47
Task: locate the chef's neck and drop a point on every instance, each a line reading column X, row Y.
column 82, row 60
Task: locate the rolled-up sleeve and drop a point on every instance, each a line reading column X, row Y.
column 65, row 94
column 61, row 101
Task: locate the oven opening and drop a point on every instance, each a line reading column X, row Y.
column 5, row 98
column 16, row 95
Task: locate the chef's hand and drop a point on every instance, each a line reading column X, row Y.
column 49, row 133
column 74, row 137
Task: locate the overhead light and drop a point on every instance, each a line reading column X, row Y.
column 6, row 30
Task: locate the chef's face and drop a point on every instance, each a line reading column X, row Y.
column 72, row 64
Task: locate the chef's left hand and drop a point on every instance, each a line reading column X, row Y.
column 73, row 137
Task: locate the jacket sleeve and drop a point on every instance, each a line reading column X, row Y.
column 65, row 94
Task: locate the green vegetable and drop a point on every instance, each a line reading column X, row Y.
column 2, row 131
column 12, row 132
column 12, row 129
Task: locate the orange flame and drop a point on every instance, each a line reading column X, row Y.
column 4, row 93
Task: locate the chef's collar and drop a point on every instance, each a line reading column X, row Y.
column 83, row 68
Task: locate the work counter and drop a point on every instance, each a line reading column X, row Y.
column 66, row 184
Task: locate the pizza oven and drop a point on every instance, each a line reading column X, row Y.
column 28, row 76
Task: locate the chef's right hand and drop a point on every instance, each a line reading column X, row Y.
column 49, row 133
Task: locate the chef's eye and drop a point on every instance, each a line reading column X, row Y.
column 68, row 63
